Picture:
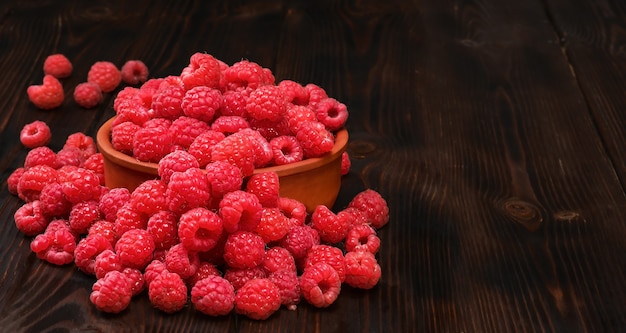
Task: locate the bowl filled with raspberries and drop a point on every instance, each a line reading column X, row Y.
column 228, row 121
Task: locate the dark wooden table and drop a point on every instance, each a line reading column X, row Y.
column 495, row 129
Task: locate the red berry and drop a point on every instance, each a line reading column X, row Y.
column 30, row 219
column 316, row 94
column 330, row 227
column 296, row 115
column 320, row 285
column 265, row 186
column 14, row 180
column 278, row 258
column 199, row 229
column 168, row 292
column 81, row 185
column 373, row 205
column 345, row 163
column 106, row 261
column 136, row 280
column 122, row 136
column 53, row 201
column 149, row 197
column 105, row 74
column 152, row 142
column 128, row 218
column 167, row 101
column 205, row 269
column 201, row 103
column 135, row 248
column 182, row 261
column 299, row 240
column 33, row 180
column 362, row 270
column 104, row 228
column 286, row 149
column 83, row 215
column 134, row 72
column 294, row 92
column 202, row 146
column 163, row 228
column 238, row 277
column 184, row 130
column 213, row 295
column 87, row 251
column 258, row 299
column 187, row 190
column 95, row 163
column 81, row 141
column 266, row 102
column 112, row 293
column 40, row 156
column 315, row 139
column 35, row 134
column 57, row 65
column 273, row 225
column 70, row 156
column 293, row 209
column 229, row 124
column 112, row 201
column 288, row 285
column 87, row 95
column 244, row 74
column 362, row 237
column 236, row 149
column 244, row 249
column 240, row 210
column 203, row 70
column 234, row 103
column 56, row 245
column 154, row 269
column 332, row 113
column 260, row 145
column 327, row 254
column 224, row 177
column 48, row 95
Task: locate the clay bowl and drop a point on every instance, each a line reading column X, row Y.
column 315, row 181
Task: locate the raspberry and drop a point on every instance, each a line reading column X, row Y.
column 202, row 145
column 33, row 180
column 265, row 186
column 149, row 197
column 105, row 262
column 214, row 296
column 35, row 134
column 134, row 72
column 238, row 150
column 163, row 228
column 135, row 248
column 187, row 190
column 362, row 270
column 330, row 227
column 131, row 108
column 257, row 299
column 87, row 250
column 266, row 102
column 104, row 228
column 150, row 144
column 105, row 74
column 244, row 74
column 229, row 124
column 294, row 92
column 299, row 240
column 40, row 156
column 48, row 95
column 182, row 261
column 128, row 218
column 14, row 180
column 122, row 136
column 320, row 285
column 315, row 139
column 288, row 286
column 199, row 229
column 286, row 149
column 327, row 254
column 95, row 163
column 238, row 277
column 373, row 205
column 224, row 177
column 83, row 215
column 240, row 210
column 56, row 245
column 57, row 65
column 168, row 292
column 244, row 249
column 167, row 101
column 152, row 270
column 332, row 113
column 205, row 270
column 184, row 130
column 136, row 279
column 201, row 103
column 296, row 115
column 112, row 201
column 278, row 258
column 203, row 70
column 234, row 103
column 112, row 293
column 362, row 237
column 81, row 185
column 81, row 141
column 53, row 201
column 87, row 95
column 293, row 209
column 30, row 219
column 273, row 225
column 345, row 163
column 316, row 94
column 262, row 148
column 70, row 156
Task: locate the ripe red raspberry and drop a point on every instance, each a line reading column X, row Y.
column 244, row 74
column 327, row 254
column 260, row 145
column 373, row 205
column 330, row 227
column 122, row 136
column 244, row 249
column 152, row 270
column 362, row 269
column 56, row 245
column 294, row 92
column 286, row 149
column 163, row 228
column 184, row 130
column 229, row 124
column 316, row 94
column 299, row 240
column 82, row 185
column 257, row 299
column 83, row 215
column 35, row 134
column 345, row 163
column 187, row 190
column 134, row 72
column 132, row 109
column 201, row 103
column 315, row 139
column 332, row 113
column 150, row 144
column 87, row 250
column 167, row 101
column 30, row 219
column 83, row 142
column 104, row 228
column 202, row 145
column 296, row 115
column 203, row 70
column 278, row 258
column 238, row 277
column 234, row 103
column 288, row 286
column 240, row 210
column 112, row 201
column 105, row 74
column 40, row 156
column 135, row 248
column 224, row 177
column 362, row 237
column 149, row 197
column 293, row 209
column 57, row 65
column 33, row 180
column 95, row 163
column 136, row 280
column 237, row 149
column 214, row 296
column 182, row 261
column 273, row 225
column 265, row 186
column 168, row 292
column 112, row 293
column 266, row 102
column 53, row 201
column 128, row 218
column 205, row 270
column 70, row 156
column 320, row 285
column 87, row 95
column 269, row 129
column 48, row 95
column 106, row 261
column 14, row 180
column 199, row 229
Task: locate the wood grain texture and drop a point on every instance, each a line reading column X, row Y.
column 498, row 147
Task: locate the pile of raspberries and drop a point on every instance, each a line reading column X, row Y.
column 207, row 230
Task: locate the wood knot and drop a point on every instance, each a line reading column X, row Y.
column 566, row 216
column 524, row 213
column 360, row 149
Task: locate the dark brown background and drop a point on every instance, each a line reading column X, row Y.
column 494, row 128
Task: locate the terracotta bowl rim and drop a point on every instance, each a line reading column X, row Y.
column 103, row 141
